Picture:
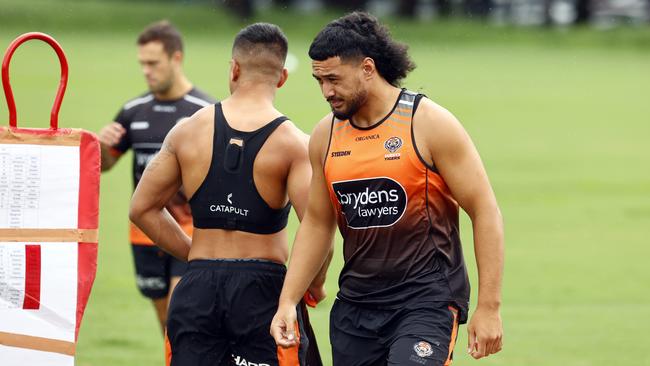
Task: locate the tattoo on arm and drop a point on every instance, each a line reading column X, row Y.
column 161, row 156
column 168, row 147
column 153, row 164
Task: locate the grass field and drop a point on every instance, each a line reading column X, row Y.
column 561, row 119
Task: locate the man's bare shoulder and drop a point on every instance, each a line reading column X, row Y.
column 438, row 127
column 293, row 139
column 323, row 127
column 296, row 142
column 434, row 120
column 432, row 112
column 321, row 132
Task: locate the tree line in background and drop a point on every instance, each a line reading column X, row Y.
column 603, row 13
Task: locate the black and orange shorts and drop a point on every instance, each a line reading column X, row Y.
column 154, row 270
column 221, row 311
column 418, row 333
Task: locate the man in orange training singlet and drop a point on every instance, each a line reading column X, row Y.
column 391, row 167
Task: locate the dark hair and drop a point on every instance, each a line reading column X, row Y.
column 162, row 31
column 358, row 35
column 269, row 36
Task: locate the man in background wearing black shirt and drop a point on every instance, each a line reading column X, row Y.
column 142, row 125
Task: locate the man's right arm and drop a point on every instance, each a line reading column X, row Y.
column 159, row 183
column 110, row 136
column 298, row 185
column 313, row 241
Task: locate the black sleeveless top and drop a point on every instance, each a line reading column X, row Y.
column 227, row 198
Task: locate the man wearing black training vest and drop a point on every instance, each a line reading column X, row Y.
column 141, row 125
column 242, row 164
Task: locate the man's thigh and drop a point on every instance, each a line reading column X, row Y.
column 253, row 303
column 424, row 336
column 355, row 335
column 151, row 272
column 194, row 328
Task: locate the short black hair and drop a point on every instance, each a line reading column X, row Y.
column 162, row 31
column 358, row 35
column 265, row 36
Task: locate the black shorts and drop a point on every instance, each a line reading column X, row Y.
column 221, row 311
column 154, row 269
column 416, row 334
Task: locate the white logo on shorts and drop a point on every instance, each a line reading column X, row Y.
column 240, row 361
column 151, row 283
column 423, row 349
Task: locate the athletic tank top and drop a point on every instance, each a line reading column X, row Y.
column 227, row 198
column 398, row 219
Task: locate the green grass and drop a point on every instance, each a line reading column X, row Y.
column 561, row 120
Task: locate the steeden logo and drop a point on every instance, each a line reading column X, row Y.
column 338, row 154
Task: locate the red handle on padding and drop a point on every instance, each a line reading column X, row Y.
column 6, row 85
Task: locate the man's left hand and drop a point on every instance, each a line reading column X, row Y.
column 485, row 333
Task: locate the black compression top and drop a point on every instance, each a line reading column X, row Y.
column 227, row 198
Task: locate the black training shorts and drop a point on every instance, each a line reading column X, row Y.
column 221, row 312
column 154, row 269
column 416, row 334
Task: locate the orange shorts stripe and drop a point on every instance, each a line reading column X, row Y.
column 454, row 334
column 289, row 356
column 168, row 350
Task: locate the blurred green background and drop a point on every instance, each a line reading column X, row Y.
column 561, row 117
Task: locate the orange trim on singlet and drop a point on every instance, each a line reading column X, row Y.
column 454, row 335
column 289, row 356
column 137, row 237
column 168, row 350
column 115, row 152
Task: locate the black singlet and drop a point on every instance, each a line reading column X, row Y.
column 227, row 198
